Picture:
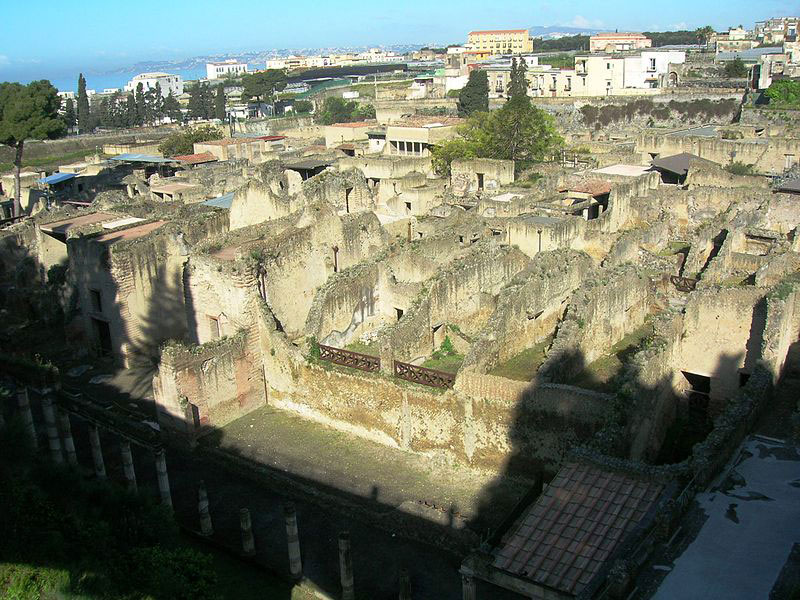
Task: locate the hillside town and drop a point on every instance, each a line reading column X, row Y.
column 502, row 319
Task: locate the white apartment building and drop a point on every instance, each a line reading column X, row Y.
column 169, row 83
column 220, row 70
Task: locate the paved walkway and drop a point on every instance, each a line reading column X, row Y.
column 750, row 530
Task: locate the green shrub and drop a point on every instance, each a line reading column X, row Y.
column 740, row 168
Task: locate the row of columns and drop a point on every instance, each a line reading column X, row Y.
column 58, row 429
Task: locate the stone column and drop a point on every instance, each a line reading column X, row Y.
column 97, row 452
column 66, row 434
column 405, row 585
column 468, row 591
column 346, row 566
column 293, row 540
column 163, row 478
column 206, row 528
column 53, row 441
column 127, row 465
column 246, row 525
column 27, row 416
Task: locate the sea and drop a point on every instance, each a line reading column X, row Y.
column 116, row 80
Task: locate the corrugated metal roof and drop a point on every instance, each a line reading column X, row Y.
column 751, row 54
column 224, row 201
column 131, row 157
column 56, row 178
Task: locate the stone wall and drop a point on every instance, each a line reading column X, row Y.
column 603, row 311
column 528, row 309
column 767, row 155
column 722, row 337
column 464, row 175
column 462, row 293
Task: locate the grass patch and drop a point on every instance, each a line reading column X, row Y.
column 601, row 375
column 523, row 366
column 449, row 364
column 673, row 248
column 51, row 161
column 363, row 348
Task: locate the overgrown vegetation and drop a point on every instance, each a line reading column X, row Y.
column 445, row 358
column 474, row 96
column 740, row 168
column 784, row 93
column 735, row 69
column 339, row 110
column 182, row 142
column 691, row 110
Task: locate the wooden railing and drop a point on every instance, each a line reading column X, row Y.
column 683, row 284
column 356, row 360
column 424, row 376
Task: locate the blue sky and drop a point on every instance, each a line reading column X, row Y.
column 48, row 38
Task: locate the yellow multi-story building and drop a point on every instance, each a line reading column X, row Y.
column 483, row 44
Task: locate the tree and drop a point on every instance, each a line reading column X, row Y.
column 182, row 142
column 518, row 131
column 703, row 34
column 201, row 102
column 474, row 97
column 338, row 110
column 141, row 104
column 735, row 69
column 302, row 106
column 518, row 87
column 261, row 86
column 219, row 103
column 69, row 114
column 28, row 112
column 784, row 93
column 84, row 111
column 130, row 111
column 172, row 108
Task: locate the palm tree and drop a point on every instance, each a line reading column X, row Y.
column 704, row 34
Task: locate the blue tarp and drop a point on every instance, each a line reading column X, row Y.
column 56, row 178
column 130, row 157
column 221, row 202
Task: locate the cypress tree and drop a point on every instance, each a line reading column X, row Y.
column 219, row 103
column 141, row 105
column 69, row 113
column 84, row 114
column 474, row 97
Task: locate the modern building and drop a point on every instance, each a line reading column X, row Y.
column 169, row 83
column 496, row 42
column 618, row 42
column 416, row 136
column 736, row 39
column 220, row 70
column 777, row 30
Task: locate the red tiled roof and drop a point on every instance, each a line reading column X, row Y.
column 575, row 525
column 272, row 138
column 131, row 233
column 499, row 31
column 196, row 159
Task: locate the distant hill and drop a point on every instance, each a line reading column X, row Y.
column 549, row 32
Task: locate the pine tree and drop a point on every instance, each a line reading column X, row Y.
column 84, row 112
column 219, row 103
column 474, row 97
column 69, row 114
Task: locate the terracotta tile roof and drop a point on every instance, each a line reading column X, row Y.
column 593, row 187
column 574, row 526
column 428, row 122
column 272, row 138
column 196, row 159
